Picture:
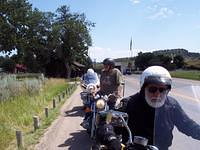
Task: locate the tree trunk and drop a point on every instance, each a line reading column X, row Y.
column 68, row 68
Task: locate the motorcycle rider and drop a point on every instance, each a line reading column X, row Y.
column 88, row 78
column 110, row 81
column 153, row 114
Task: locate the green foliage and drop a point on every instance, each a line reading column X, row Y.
column 187, row 74
column 144, row 60
column 179, row 61
column 13, row 21
column 72, row 37
column 42, row 37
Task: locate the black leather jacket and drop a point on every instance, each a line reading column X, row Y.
column 157, row 124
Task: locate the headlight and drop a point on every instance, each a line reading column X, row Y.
column 91, row 88
column 100, row 104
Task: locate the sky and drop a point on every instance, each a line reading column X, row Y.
column 151, row 24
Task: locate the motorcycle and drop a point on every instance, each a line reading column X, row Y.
column 188, row 97
column 93, row 104
column 118, row 120
column 88, row 91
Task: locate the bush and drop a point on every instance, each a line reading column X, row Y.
column 11, row 87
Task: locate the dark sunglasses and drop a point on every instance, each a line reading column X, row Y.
column 154, row 89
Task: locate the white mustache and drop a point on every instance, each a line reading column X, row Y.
column 156, row 99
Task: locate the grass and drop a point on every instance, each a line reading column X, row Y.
column 17, row 113
column 186, row 74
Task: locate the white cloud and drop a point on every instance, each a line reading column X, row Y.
column 153, row 8
column 155, row 1
column 162, row 13
column 99, row 53
column 135, row 1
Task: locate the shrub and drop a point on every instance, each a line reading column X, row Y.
column 10, row 86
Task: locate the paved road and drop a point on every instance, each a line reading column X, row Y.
column 66, row 133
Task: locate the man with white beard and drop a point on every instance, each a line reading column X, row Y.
column 153, row 114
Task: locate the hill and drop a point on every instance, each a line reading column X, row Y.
column 191, row 59
column 173, row 52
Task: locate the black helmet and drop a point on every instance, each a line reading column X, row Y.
column 109, row 61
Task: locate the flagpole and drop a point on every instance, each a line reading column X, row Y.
column 131, row 43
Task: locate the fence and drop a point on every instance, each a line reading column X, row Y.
column 36, row 119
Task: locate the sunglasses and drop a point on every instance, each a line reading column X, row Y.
column 154, row 89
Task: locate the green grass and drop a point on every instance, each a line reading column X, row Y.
column 17, row 114
column 192, row 74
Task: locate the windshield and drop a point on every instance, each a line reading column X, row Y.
column 91, row 78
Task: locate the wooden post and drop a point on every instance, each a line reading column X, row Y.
column 46, row 110
column 19, row 137
column 67, row 92
column 59, row 97
column 63, row 95
column 36, row 122
column 70, row 89
column 54, row 103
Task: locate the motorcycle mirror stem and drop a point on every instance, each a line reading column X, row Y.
column 129, row 131
column 151, row 147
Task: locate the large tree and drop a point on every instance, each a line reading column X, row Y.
column 25, row 31
column 38, row 37
column 13, row 17
column 71, row 32
column 42, row 37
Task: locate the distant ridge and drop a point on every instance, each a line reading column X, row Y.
column 173, row 52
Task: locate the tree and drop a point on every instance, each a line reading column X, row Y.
column 13, row 16
column 179, row 61
column 42, row 37
column 37, row 48
column 72, row 37
column 143, row 60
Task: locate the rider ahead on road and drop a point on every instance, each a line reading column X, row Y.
column 90, row 77
column 110, row 80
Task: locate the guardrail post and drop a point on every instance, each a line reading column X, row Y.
column 54, row 103
column 67, row 91
column 63, row 95
column 36, row 122
column 19, row 137
column 59, row 97
column 46, row 110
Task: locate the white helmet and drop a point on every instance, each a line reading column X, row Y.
column 157, row 75
column 90, row 71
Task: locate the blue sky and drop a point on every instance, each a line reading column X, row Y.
column 152, row 24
